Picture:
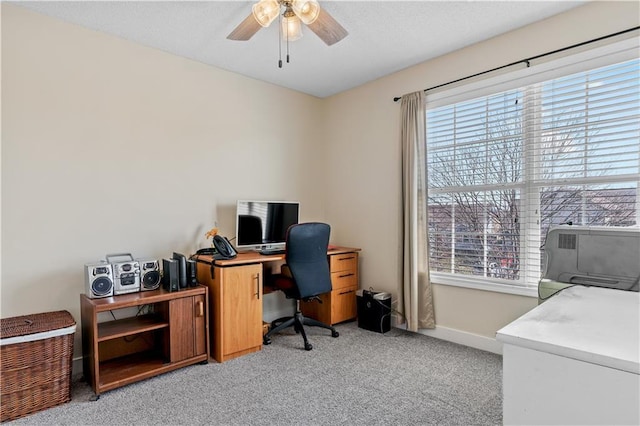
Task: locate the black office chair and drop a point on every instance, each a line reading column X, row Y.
column 304, row 276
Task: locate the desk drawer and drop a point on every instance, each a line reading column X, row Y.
column 343, row 262
column 343, row 305
column 337, row 306
column 344, row 279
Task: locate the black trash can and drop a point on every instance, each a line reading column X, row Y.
column 374, row 310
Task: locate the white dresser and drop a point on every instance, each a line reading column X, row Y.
column 575, row 359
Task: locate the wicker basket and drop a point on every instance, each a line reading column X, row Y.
column 36, row 354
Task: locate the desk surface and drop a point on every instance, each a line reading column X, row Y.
column 249, row 257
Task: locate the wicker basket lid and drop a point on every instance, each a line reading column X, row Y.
column 35, row 323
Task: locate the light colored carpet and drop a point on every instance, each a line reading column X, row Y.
column 359, row 378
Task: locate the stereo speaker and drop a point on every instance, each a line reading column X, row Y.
column 98, row 280
column 149, row 274
column 170, row 275
column 192, row 279
column 182, row 269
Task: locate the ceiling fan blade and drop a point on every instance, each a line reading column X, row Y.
column 327, row 28
column 245, row 30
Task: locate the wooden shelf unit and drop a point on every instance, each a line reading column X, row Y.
column 123, row 351
column 130, row 326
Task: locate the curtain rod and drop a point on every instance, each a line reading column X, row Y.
column 527, row 60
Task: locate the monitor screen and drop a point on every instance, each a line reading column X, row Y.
column 264, row 223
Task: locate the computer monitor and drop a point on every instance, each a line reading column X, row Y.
column 264, row 224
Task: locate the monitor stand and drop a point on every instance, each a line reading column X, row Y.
column 276, row 249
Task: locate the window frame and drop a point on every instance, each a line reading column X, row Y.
column 528, row 75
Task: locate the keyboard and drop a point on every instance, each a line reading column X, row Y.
column 272, row 251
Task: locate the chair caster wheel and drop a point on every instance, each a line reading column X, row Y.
column 334, row 334
column 266, row 341
column 308, row 346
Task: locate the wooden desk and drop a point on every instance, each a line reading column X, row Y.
column 235, row 297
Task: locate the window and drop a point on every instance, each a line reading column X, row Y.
column 503, row 168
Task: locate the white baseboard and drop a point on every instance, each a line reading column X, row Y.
column 76, row 365
column 463, row 338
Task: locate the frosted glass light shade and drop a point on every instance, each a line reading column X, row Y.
column 307, row 10
column 265, row 11
column 291, row 28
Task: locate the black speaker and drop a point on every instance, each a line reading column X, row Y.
column 170, row 275
column 182, row 269
column 192, row 280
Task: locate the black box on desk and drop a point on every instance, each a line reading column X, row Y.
column 374, row 310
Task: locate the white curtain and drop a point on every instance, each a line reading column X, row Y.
column 416, row 295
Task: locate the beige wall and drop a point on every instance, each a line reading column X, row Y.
column 109, row 146
column 362, row 136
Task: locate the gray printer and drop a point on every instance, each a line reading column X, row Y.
column 591, row 256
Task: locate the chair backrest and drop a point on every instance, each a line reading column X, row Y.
column 306, row 256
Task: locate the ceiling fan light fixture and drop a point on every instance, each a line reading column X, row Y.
column 307, row 10
column 265, row 11
column 291, row 28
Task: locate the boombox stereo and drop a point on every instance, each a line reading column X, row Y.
column 98, row 280
column 149, row 274
column 126, row 273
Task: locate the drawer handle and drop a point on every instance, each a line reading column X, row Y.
column 345, row 275
column 258, row 286
column 200, row 309
column 346, row 258
column 346, row 292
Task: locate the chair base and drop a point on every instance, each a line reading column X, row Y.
column 298, row 321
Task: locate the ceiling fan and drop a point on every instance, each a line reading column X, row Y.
column 264, row 12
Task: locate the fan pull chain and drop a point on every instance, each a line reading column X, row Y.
column 279, row 41
column 287, row 43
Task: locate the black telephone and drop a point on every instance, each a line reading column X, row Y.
column 222, row 249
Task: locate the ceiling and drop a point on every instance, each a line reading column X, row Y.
column 384, row 36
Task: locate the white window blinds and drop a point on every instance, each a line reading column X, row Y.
column 505, row 167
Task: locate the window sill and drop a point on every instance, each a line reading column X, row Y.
column 485, row 284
